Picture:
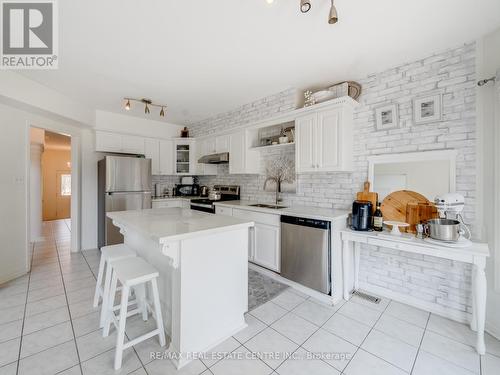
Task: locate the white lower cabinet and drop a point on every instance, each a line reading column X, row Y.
column 226, row 211
column 265, row 238
column 267, row 249
column 168, row 203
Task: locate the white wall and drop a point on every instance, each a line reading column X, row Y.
column 31, row 96
column 488, row 64
column 14, row 185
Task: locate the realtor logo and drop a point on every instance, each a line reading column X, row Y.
column 29, row 34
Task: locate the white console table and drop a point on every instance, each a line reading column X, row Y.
column 475, row 254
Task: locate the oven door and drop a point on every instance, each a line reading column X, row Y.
column 210, row 208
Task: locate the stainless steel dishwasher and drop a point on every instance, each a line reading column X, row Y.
column 305, row 252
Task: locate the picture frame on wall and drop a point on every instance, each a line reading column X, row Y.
column 387, row 117
column 427, row 109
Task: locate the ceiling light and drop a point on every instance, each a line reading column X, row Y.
column 147, row 103
column 269, row 1
column 305, row 6
column 332, row 18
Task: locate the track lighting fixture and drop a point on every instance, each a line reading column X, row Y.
column 305, row 6
column 147, row 103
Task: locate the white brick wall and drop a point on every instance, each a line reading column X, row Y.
column 451, row 73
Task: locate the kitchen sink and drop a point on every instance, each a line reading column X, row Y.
column 263, row 205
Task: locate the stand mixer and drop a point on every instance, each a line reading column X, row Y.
column 450, row 206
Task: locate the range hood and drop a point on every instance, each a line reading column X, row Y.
column 221, row 158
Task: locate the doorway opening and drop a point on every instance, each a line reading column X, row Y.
column 50, row 184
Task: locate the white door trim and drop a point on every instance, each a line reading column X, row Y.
column 75, row 184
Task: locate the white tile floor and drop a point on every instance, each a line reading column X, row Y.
column 48, row 326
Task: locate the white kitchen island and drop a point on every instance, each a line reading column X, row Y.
column 202, row 260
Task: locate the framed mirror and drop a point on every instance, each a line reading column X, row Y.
column 429, row 173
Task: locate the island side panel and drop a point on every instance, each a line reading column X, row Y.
column 213, row 290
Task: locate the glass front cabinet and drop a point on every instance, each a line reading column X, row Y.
column 184, row 156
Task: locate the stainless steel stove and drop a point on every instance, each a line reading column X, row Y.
column 227, row 193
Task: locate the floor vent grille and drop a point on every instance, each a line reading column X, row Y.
column 367, row 297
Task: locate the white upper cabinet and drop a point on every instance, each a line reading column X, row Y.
column 209, row 146
column 242, row 159
column 108, row 142
column 324, row 140
column 222, row 143
column 112, row 142
column 184, row 157
column 132, row 144
column 161, row 153
column 152, row 151
column 305, row 153
column 215, row 145
column 166, row 157
column 205, row 147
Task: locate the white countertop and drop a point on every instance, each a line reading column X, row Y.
column 174, row 224
column 302, row 211
column 474, row 248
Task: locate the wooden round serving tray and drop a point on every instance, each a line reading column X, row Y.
column 394, row 205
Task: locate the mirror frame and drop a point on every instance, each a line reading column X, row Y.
column 448, row 155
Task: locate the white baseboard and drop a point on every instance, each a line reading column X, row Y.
column 12, row 276
column 301, row 288
column 459, row 316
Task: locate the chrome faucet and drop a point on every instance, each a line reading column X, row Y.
column 278, row 186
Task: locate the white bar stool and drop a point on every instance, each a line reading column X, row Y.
column 133, row 273
column 108, row 255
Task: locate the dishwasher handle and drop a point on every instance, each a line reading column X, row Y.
column 313, row 223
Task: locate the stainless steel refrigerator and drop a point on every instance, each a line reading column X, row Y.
column 124, row 183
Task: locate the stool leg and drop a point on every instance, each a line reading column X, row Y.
column 110, row 305
column 159, row 318
column 121, row 328
column 99, row 282
column 105, row 293
column 140, row 295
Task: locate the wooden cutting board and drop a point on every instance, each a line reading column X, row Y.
column 419, row 212
column 367, row 195
column 395, row 204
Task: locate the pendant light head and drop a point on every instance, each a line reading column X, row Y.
column 146, row 109
column 127, row 105
column 333, row 18
column 162, row 112
column 305, row 6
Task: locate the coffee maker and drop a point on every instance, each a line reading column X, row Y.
column 362, row 215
